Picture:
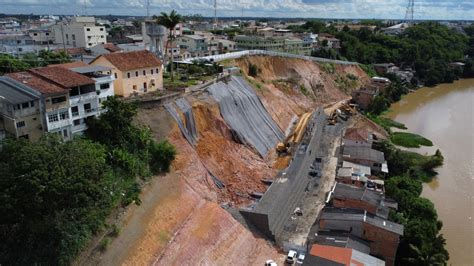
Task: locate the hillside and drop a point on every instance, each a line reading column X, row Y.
column 181, row 220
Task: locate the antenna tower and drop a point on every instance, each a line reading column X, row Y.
column 410, row 11
column 215, row 13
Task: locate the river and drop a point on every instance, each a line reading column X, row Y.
column 445, row 115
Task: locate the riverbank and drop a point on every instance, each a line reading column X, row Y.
column 444, row 114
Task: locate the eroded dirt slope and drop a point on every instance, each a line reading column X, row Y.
column 180, row 221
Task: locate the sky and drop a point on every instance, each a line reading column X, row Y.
column 379, row 9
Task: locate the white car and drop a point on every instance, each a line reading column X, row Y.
column 300, row 259
column 291, row 258
column 270, row 263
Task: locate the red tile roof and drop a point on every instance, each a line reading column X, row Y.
column 62, row 76
column 357, row 134
column 111, row 47
column 132, row 60
column 336, row 254
column 37, row 83
column 70, row 65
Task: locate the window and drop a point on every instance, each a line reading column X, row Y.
column 136, row 73
column 151, row 71
column 53, row 118
column 73, row 37
column 47, row 33
column 67, row 36
column 90, row 44
column 65, row 133
column 24, row 105
column 157, row 71
column 74, row 92
column 75, row 110
column 88, row 29
column 115, row 75
column 102, row 36
column 104, row 86
column 144, row 85
column 134, row 87
column 24, row 136
column 144, row 72
column 101, row 29
column 64, row 115
column 87, row 107
column 128, row 75
column 77, row 122
column 32, row 104
column 58, row 99
column 35, row 34
column 16, row 107
column 20, row 124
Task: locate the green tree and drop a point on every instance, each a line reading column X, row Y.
column 170, row 21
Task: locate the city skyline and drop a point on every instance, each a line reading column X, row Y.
column 363, row 9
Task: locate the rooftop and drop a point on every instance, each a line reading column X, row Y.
column 357, row 167
column 69, row 65
column 9, row 91
column 90, row 69
column 37, row 83
column 338, row 214
column 343, row 240
column 62, row 76
column 132, row 60
column 364, row 153
column 358, row 134
column 344, row 191
column 342, row 256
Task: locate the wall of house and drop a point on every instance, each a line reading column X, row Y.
column 356, row 143
column 364, row 162
column 354, row 204
column 383, row 243
column 135, row 84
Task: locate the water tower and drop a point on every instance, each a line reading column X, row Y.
column 157, row 34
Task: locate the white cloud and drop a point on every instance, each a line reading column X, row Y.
column 424, row 9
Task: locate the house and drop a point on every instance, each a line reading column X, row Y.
column 364, row 96
column 106, row 48
column 342, row 240
column 135, row 72
column 357, row 137
column 41, row 36
column 67, row 96
column 80, row 32
column 338, row 256
column 383, row 235
column 366, row 156
column 278, row 44
column 19, row 110
column 329, row 41
column 352, row 176
column 192, row 43
column 347, row 196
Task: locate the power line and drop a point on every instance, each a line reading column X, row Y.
column 409, row 12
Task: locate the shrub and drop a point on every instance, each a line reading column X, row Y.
column 253, row 70
column 162, row 154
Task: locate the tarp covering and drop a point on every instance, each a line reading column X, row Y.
column 245, row 114
column 170, row 108
column 187, row 110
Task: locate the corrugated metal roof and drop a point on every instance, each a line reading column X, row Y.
column 90, row 69
column 10, row 91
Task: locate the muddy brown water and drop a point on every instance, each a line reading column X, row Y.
column 445, row 115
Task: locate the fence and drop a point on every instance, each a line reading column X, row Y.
column 240, row 54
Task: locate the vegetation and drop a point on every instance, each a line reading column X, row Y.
column 55, row 195
column 386, row 123
column 253, row 70
column 421, row 242
column 9, row 64
column 170, row 21
column 409, row 140
column 426, row 47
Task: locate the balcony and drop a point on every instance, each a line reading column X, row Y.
column 83, row 98
column 58, row 124
column 85, row 113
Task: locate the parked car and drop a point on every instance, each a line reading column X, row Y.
column 300, row 259
column 291, row 258
column 270, row 263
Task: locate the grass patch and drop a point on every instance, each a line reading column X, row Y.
column 386, row 123
column 304, row 90
column 328, row 68
column 409, row 140
column 369, row 70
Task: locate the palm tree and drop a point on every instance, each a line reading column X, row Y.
column 170, row 21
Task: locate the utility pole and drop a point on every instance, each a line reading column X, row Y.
column 62, row 35
column 147, row 8
column 409, row 12
column 215, row 14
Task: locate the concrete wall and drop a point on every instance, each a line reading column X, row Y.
column 354, row 204
column 383, row 243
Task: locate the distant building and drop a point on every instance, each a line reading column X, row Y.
column 364, row 96
column 80, row 32
column 330, row 40
column 41, row 36
column 192, row 43
column 106, row 48
column 383, row 235
column 278, row 44
column 135, row 72
column 338, row 256
column 366, row 156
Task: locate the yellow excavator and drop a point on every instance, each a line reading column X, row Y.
column 295, row 136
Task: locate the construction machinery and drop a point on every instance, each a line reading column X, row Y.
column 295, row 136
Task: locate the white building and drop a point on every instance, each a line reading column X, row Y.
column 80, row 32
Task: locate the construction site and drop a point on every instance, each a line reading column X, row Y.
column 256, row 159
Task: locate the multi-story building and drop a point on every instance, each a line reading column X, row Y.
column 67, row 96
column 80, row 32
column 19, row 110
column 279, row 44
column 192, row 43
column 135, row 72
column 41, row 36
